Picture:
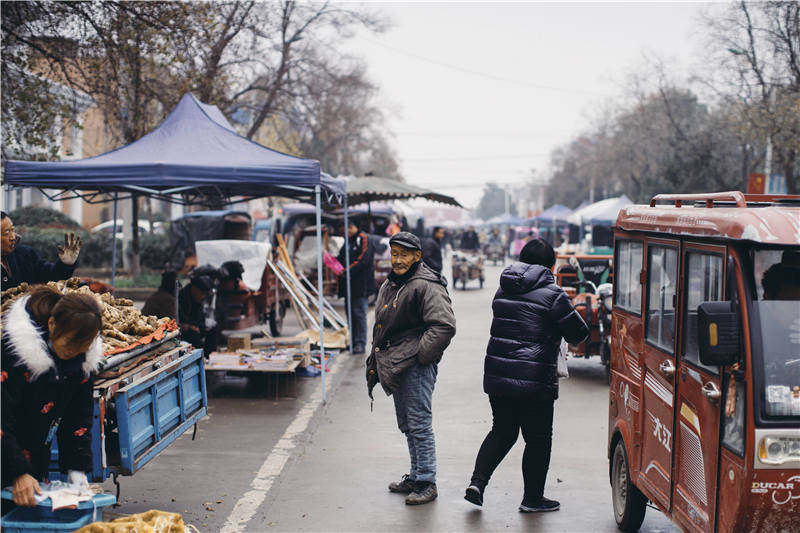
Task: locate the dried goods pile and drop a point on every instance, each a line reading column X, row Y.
column 123, row 324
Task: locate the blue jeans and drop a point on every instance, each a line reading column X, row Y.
column 412, row 405
column 358, row 309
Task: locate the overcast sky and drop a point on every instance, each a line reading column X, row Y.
column 483, row 92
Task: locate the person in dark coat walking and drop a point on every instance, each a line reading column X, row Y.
column 432, row 250
column 531, row 316
column 414, row 323
column 21, row 264
column 51, row 350
column 362, row 281
column 470, row 240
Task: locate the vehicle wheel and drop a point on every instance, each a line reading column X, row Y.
column 276, row 319
column 629, row 503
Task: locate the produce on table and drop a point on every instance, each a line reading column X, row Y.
column 123, row 324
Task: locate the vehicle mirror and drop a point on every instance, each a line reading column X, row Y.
column 718, row 333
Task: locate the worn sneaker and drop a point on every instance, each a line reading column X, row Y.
column 474, row 494
column 542, row 506
column 424, row 492
column 404, row 486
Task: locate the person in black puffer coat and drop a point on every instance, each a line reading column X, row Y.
column 531, row 316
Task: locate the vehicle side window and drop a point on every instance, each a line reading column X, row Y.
column 733, row 415
column 703, row 284
column 662, row 276
column 628, row 267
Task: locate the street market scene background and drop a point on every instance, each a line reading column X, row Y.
column 224, row 147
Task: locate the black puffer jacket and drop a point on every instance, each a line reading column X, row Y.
column 531, row 315
column 40, row 392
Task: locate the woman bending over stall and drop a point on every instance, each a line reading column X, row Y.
column 51, row 348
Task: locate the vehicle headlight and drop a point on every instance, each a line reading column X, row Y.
column 607, row 303
column 779, row 450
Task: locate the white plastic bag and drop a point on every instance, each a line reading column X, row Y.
column 563, row 371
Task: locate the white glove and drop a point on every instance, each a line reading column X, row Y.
column 77, row 478
column 68, row 253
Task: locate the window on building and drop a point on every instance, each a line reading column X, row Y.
column 662, row 276
column 703, row 275
column 627, row 271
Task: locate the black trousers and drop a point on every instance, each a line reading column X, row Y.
column 509, row 415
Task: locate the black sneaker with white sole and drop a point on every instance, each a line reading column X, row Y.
column 474, row 494
column 542, row 506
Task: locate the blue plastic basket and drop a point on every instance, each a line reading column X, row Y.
column 42, row 519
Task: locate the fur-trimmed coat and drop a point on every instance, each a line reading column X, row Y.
column 40, row 393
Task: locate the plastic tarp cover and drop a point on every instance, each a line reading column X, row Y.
column 251, row 254
column 185, row 231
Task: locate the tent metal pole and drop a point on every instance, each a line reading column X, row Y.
column 317, row 196
column 348, row 301
column 114, row 244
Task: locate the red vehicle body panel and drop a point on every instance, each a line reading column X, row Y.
column 670, row 429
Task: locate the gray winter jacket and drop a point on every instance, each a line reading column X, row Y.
column 414, row 321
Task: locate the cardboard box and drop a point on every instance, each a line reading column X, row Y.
column 238, row 341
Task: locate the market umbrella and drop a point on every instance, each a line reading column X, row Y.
column 372, row 188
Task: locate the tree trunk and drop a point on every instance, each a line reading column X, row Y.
column 790, row 173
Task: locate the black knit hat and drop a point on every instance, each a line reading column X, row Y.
column 406, row 240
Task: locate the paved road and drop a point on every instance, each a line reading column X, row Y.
column 260, row 465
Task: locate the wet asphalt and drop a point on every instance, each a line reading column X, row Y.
column 337, row 469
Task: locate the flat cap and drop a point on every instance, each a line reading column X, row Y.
column 406, row 240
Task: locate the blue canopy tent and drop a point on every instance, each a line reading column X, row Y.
column 194, row 157
column 552, row 214
column 550, row 221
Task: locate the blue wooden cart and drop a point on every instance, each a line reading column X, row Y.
column 143, row 409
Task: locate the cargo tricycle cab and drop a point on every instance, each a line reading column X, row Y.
column 704, row 399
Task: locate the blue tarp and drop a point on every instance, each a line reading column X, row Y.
column 195, row 146
column 554, row 212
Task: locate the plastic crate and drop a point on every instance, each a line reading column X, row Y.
column 42, row 519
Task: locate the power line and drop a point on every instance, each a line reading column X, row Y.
column 478, row 158
column 484, row 74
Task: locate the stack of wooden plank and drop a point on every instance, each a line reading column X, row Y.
column 304, row 299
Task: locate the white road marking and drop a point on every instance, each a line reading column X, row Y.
column 248, row 504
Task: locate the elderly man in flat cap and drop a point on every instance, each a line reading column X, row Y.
column 414, row 323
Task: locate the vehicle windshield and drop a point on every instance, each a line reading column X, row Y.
column 777, row 310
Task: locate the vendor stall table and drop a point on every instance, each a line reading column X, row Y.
column 237, row 363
